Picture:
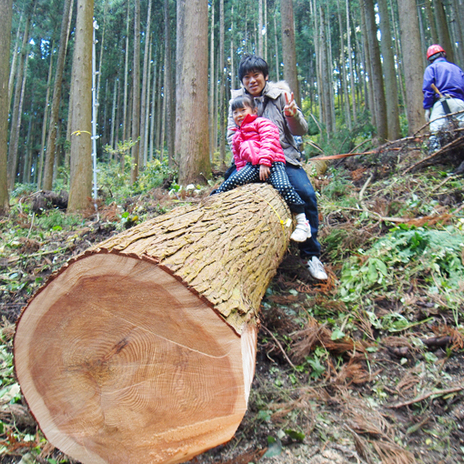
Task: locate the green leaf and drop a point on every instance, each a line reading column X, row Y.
column 274, row 450
column 295, row 435
column 264, row 415
column 337, row 334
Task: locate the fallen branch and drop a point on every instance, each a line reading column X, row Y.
column 279, row 345
column 423, row 397
column 442, row 150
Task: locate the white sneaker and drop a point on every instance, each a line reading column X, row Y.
column 316, row 269
column 302, row 232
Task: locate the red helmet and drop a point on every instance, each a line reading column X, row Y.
column 434, row 49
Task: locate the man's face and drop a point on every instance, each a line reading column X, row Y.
column 254, row 82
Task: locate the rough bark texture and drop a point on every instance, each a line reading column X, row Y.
column 136, row 95
column 413, row 67
column 5, row 30
column 380, row 105
column 142, row 350
column 288, row 48
column 81, row 146
column 391, row 90
column 51, row 143
column 194, row 162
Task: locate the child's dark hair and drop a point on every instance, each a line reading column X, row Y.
column 250, row 63
column 242, row 101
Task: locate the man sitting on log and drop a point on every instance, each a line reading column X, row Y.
column 275, row 104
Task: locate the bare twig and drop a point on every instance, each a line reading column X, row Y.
column 279, row 345
column 423, row 397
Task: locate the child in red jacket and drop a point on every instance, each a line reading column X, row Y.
column 259, row 157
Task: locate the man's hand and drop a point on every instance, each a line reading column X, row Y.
column 264, row 172
column 427, row 115
column 290, row 109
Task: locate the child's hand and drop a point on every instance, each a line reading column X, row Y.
column 264, row 172
column 290, row 109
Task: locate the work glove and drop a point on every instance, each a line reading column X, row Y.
column 427, row 115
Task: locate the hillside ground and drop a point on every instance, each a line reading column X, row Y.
column 367, row 367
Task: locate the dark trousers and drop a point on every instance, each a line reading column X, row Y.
column 302, row 185
column 277, row 178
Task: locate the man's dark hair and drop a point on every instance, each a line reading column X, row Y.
column 242, row 101
column 250, row 63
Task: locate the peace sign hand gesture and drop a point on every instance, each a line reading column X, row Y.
column 290, row 109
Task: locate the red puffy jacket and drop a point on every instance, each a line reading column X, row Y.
column 257, row 142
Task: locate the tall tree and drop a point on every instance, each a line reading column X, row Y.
column 222, row 93
column 391, row 89
column 413, row 68
column 212, row 51
column 443, row 30
column 16, row 117
column 378, row 97
column 81, row 146
column 288, row 47
column 145, row 90
column 136, row 95
column 260, row 28
column 125, row 124
column 5, row 36
column 194, row 160
column 168, row 86
column 51, row 143
column 431, row 20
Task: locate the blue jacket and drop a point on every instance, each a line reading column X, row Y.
column 448, row 78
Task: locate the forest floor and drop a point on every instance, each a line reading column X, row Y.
column 344, row 373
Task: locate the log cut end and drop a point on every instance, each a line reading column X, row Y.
column 121, row 363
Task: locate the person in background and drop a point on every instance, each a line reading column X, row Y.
column 278, row 105
column 259, row 157
column 449, row 82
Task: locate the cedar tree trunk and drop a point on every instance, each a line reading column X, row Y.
column 142, row 350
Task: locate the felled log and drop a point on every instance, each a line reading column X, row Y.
column 142, row 350
column 46, row 199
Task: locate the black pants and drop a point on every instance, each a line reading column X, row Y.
column 278, row 179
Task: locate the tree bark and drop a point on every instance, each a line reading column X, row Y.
column 443, row 30
column 195, row 166
column 260, row 28
column 81, row 148
column 391, row 90
column 16, row 113
column 350, row 62
column 136, row 95
column 39, row 168
column 143, row 109
column 142, row 350
column 222, row 92
column 125, row 124
column 378, row 93
column 288, row 48
column 431, row 20
column 212, row 83
column 168, row 86
column 413, row 68
column 51, row 142
column 5, row 37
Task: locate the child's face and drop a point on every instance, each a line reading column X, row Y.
column 239, row 114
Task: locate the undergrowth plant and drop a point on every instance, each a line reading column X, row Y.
column 425, row 262
column 114, row 182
